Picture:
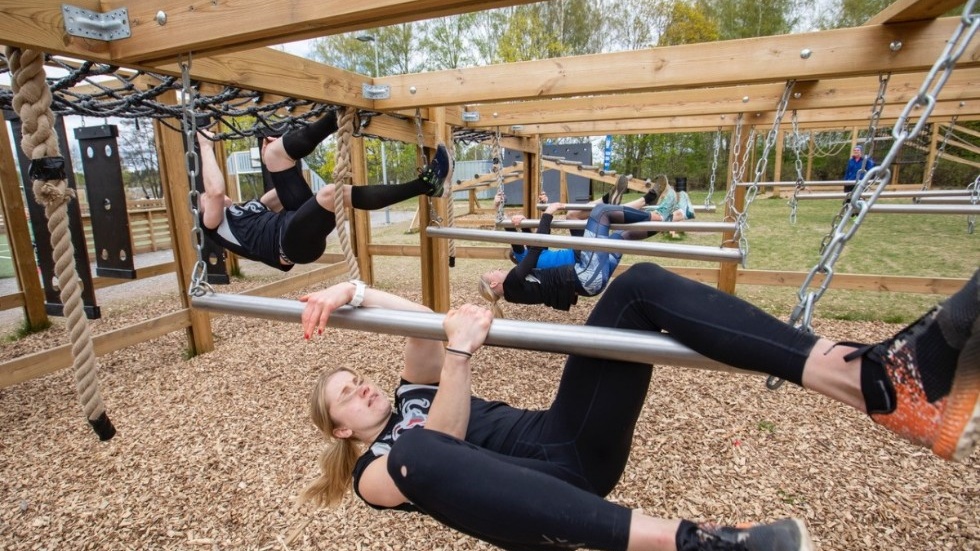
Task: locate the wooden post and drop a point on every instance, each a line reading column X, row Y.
column 434, row 252
column 18, row 236
column 176, row 189
column 360, row 227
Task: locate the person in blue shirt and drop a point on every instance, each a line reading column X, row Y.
column 857, row 165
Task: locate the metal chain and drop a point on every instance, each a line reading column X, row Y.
column 714, row 168
column 847, row 210
column 927, row 181
column 737, row 171
column 974, row 189
column 800, row 181
column 924, row 101
column 742, row 217
column 199, row 285
column 434, row 218
column 497, row 167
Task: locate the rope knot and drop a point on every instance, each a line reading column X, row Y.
column 52, row 193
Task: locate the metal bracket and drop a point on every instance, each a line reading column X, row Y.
column 471, row 116
column 375, row 91
column 84, row 23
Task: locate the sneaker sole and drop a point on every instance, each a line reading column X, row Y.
column 959, row 429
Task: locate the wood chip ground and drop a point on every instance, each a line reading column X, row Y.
column 211, row 452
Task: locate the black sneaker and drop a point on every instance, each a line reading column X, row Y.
column 437, row 171
column 788, row 534
column 933, row 367
column 616, row 196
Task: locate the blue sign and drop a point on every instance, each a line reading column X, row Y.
column 607, row 154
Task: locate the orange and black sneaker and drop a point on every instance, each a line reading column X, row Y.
column 788, row 534
column 933, row 369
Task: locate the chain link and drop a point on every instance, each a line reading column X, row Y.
column 714, row 168
column 974, row 189
column 800, row 181
column 742, row 216
column 497, row 167
column 199, row 285
column 927, row 181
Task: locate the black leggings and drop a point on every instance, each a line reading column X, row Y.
column 545, row 489
column 304, row 236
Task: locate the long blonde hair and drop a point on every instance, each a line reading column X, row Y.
column 338, row 459
column 486, row 291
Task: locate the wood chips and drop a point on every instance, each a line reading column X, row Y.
column 212, row 452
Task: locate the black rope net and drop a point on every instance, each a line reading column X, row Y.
column 92, row 89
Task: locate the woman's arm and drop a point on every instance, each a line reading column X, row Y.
column 213, row 200
column 466, row 329
column 377, row 487
column 423, row 357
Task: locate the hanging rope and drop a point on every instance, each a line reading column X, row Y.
column 450, row 205
column 32, row 102
column 343, row 176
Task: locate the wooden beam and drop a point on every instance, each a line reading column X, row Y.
column 833, row 53
column 192, row 25
column 963, row 84
column 851, row 116
column 904, row 11
column 25, row 368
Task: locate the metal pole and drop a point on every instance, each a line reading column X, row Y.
column 695, row 252
column 584, row 340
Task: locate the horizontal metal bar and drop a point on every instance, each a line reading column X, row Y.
column 582, row 340
column 695, row 252
column 926, row 209
column 589, row 206
column 684, row 225
column 817, row 183
column 893, row 194
column 947, row 200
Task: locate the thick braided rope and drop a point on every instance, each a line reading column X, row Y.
column 342, row 176
column 447, row 192
column 32, row 102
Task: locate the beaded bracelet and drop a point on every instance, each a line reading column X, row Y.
column 459, row 352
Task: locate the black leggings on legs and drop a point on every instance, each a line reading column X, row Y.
column 546, row 488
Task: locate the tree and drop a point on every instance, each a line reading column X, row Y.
column 138, row 154
column 687, row 25
column 850, row 13
column 751, row 18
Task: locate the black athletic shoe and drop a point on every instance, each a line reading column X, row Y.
column 788, row 534
column 437, row 171
column 616, row 195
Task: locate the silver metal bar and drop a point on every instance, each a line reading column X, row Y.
column 793, row 184
column 589, row 206
column 695, row 252
column 583, row 340
column 684, row 225
column 893, row 194
column 947, row 200
column 926, row 209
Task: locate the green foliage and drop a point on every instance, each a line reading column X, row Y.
column 527, row 37
column 851, row 13
column 751, row 18
column 687, row 25
column 25, row 329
